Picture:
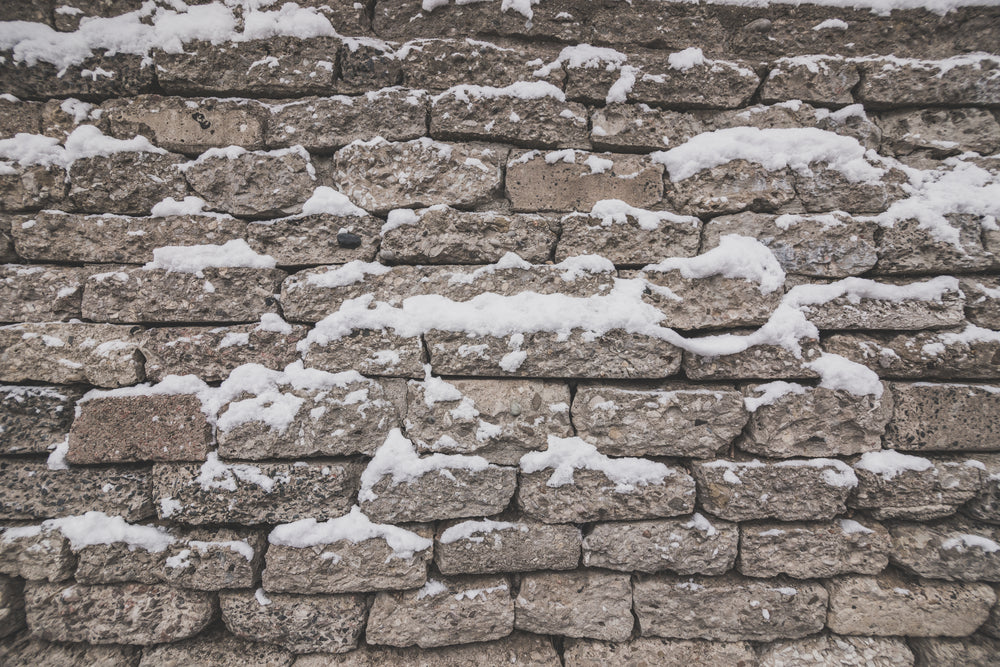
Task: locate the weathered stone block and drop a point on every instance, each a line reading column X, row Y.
column 99, row 76
column 300, row 623
column 212, row 353
column 27, row 651
column 11, row 608
column 834, row 245
column 33, row 491
column 568, row 181
column 33, row 418
column 899, row 486
column 985, row 506
column 218, row 492
column 255, row 184
column 126, row 614
column 655, row 651
column 891, row 605
column 18, row 117
column 815, row 80
column 139, row 428
column 971, row 81
column 940, row 132
column 272, row 67
column 641, row 127
column 324, row 124
column 61, row 117
column 371, row 352
column 441, row 494
column 68, row 237
column 828, row 189
column 130, row 183
column 787, row 490
column 982, row 305
column 856, row 311
column 673, row 420
column 367, row 66
column 210, row 559
column 119, row 562
column 465, row 113
column 686, row 546
column 499, row 420
column 36, row 553
column 838, row 650
column 766, row 362
column 218, row 648
column 708, row 302
column 583, row 603
column 956, row 550
column 795, row 114
column 974, row 650
column 316, row 239
column 443, row 235
column 494, row 547
column 735, row 186
column 40, row 293
column 616, row 354
column 453, row 610
column 622, row 239
column 438, row 64
column 944, row 417
column 187, row 125
column 69, row 15
column 7, row 251
column 728, row 608
column 517, row 648
column 906, row 247
column 379, row 176
column 32, row 186
column 813, row 550
column 815, row 421
column 971, row 354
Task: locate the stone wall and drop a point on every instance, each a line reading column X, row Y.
column 570, row 333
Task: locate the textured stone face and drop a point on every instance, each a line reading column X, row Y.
column 654, row 651
column 730, row 188
column 186, row 125
column 139, row 428
column 887, row 84
column 11, row 607
column 432, row 496
column 974, row 650
column 32, row 491
column 577, row 181
column 941, row 132
column 985, row 506
column 891, row 605
column 513, row 546
column 684, row 546
column 906, row 247
column 982, row 307
column 40, row 293
column 526, row 412
column 44, row 555
column 921, row 355
column 299, row 623
column 251, row 494
column 517, row 648
column 438, row 64
column 370, row 352
column 215, row 648
column 710, row 302
column 585, row 603
column 32, row 418
column 210, row 559
column 638, row 126
column 380, row 176
column 545, row 122
column 813, row 550
column 130, row 183
column 316, row 239
column 956, row 550
column 627, row 242
column 844, row 312
column 728, row 608
column 68, row 237
column 944, row 417
column 766, row 362
column 25, row 651
column 126, row 614
column 920, row 494
column 591, row 496
column 80, row 80
column 17, row 117
column 816, row 81
column 818, row 422
column 444, row 235
column 32, row 187
column 846, row 651
column 453, row 610
column 117, row 563
column 344, row 567
column 7, row 253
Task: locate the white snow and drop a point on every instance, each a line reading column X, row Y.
column 686, row 59
column 565, row 455
column 735, row 257
column 619, row 90
column 835, row 472
column 354, row 527
column 524, row 90
column 195, row 259
column 889, row 463
column 274, row 323
column 770, row 393
column 399, row 217
column 701, row 524
column 839, row 373
column 85, row 141
column 57, row 459
column 855, row 289
column 190, row 205
column 474, row 531
column 582, row 265
column 94, row 528
column 216, row 474
column 347, row 274
column 617, row 211
column 831, row 24
column 966, row 541
column 326, row 200
column 584, row 56
column 851, row 527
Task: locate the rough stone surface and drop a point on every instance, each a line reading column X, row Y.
column 890, row 605
column 316, row 239
column 626, row 242
column 299, row 623
column 432, row 496
column 813, row 550
column 818, row 422
column 32, row 187
column 251, row 494
column 906, row 247
column 641, row 127
column 985, row 506
column 709, row 302
column 130, row 183
column 812, row 80
column 570, row 184
column 846, row 312
column 370, row 352
column 45, row 555
column 525, row 411
column 684, row 546
column 941, row 132
column 33, row 418
column 83, row 80
column 974, row 651
column 921, row 355
column 139, row 428
column 439, row 64
column 735, row 186
column 209, row 559
column 449, row 236
column 982, row 307
column 728, row 608
column 11, row 607
column 585, row 603
column 17, row 117
column 655, row 651
column 944, row 417
column 673, row 420
column 934, row 492
column 215, row 649
column 380, row 176
column 591, row 496
column 344, row 566
column 515, row 546
column 887, row 84
column 126, row 614
column 212, row 353
column 956, row 550
column 32, row 491
column 23, row 650
column 765, row 362
column 517, row 648
column 7, row 251
column 838, row 650
column 119, row 562
column 545, row 122
column 40, row 293
column 456, row 610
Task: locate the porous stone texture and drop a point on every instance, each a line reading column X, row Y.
column 848, row 312
column 817, row 422
column 33, row 491
column 87, row 79
column 655, row 651
column 890, row 605
column 436, row 495
column 453, row 610
column 626, row 241
column 974, row 650
column 23, row 650
column 210, row 559
column 808, row 550
column 463, row 114
column 928, row 489
column 692, row 545
column 33, row 418
column 813, row 80
column 958, row 550
column 944, row 417
column 728, row 608
column 517, row 648
column 922, row 355
column 885, row 83
column 11, row 607
column 40, row 293
column 216, row 648
column 940, row 132
column 736, row 186
column 370, row 352
column 838, row 650
column 126, row 614
column 982, row 307
column 764, row 362
column 299, row 623
column 908, row 247
column 28, row 554
column 130, row 183
column 315, row 239
column 585, row 603
column 506, row 546
column 674, row 420
column 985, row 506
column 708, row 302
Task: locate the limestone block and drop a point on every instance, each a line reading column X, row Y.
column 828, row 189
column 216, row 649
column 710, row 302
column 641, row 127
column 367, row 66
column 900, row 486
column 974, row 650
column 940, row 132
column 210, row 559
column 19, row 117
column 956, row 550
column 982, row 307
column 434, row 495
column 814, row 80
column 517, row 648
column 25, row 651
column 316, row 239
column 735, row 186
column 438, row 64
column 622, row 239
column 33, row 186
column 33, row 418
column 944, row 417
column 494, row 547
column 582, row 603
column 82, row 80
column 839, row 650
column 968, row 354
column 985, row 506
column 655, row 651
column 766, row 362
column 40, row 293
column 11, row 608
column 906, row 247
column 885, row 83
column 464, row 113
column 851, row 311
column 807, row 550
column 130, row 183
column 35, row 553
column 371, row 352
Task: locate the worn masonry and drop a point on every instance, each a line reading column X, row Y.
column 547, row 332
